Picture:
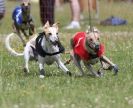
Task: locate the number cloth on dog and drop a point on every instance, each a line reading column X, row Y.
column 79, row 49
column 17, row 15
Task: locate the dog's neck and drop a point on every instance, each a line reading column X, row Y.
column 25, row 18
column 25, row 13
column 88, row 49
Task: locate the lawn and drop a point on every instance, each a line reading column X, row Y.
column 58, row 90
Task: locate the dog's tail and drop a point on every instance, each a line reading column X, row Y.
column 8, row 46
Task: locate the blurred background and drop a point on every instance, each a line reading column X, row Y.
column 105, row 9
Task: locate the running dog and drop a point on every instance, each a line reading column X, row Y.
column 22, row 21
column 86, row 46
column 45, row 48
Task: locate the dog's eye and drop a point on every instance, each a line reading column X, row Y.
column 22, row 4
column 91, row 40
column 49, row 33
column 98, row 38
column 56, row 33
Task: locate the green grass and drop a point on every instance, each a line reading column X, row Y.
column 58, row 90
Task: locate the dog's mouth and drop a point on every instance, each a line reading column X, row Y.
column 54, row 43
column 93, row 46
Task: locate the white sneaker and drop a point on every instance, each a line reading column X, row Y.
column 73, row 25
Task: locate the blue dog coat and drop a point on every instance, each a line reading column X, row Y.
column 17, row 15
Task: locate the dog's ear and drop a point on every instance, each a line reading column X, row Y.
column 25, row 2
column 56, row 25
column 92, row 29
column 46, row 26
column 22, row 4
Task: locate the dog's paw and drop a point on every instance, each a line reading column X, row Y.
column 79, row 75
column 100, row 73
column 26, row 71
column 115, row 69
column 42, row 73
column 69, row 73
column 96, row 75
column 41, row 76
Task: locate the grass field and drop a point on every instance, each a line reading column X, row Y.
column 60, row 91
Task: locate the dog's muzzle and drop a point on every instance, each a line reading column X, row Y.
column 54, row 43
column 94, row 46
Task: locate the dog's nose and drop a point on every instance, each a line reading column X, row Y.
column 97, row 47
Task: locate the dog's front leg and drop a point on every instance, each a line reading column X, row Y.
column 31, row 28
column 62, row 66
column 111, row 64
column 26, row 58
column 41, row 66
column 90, row 68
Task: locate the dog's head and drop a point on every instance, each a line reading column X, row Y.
column 51, row 33
column 25, row 8
column 92, row 40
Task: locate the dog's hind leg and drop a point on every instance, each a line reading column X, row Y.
column 26, row 58
column 76, row 61
column 41, row 67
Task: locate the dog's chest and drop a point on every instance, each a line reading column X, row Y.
column 79, row 49
column 49, row 60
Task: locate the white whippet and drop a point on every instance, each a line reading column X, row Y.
column 45, row 48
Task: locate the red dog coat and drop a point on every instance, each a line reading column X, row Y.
column 79, row 49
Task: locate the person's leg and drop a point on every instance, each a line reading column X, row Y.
column 75, row 14
column 2, row 9
column 93, row 6
column 47, row 11
column 41, row 11
column 81, row 4
column 1, row 16
column 75, row 9
column 90, row 5
column 50, row 12
column 57, row 3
